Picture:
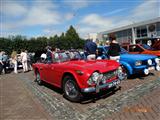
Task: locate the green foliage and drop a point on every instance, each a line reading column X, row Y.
column 68, row 40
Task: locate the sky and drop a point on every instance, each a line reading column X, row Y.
column 34, row 18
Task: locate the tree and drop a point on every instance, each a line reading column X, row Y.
column 65, row 41
column 72, row 38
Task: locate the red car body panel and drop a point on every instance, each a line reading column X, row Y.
column 140, row 50
column 156, row 45
column 53, row 73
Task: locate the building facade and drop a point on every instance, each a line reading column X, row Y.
column 146, row 32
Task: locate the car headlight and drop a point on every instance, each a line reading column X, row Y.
column 138, row 63
column 157, row 60
column 94, row 78
column 149, row 62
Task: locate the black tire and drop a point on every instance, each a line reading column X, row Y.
column 38, row 78
column 71, row 89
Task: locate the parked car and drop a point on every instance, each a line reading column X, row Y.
column 141, row 49
column 156, row 45
column 134, row 63
column 77, row 76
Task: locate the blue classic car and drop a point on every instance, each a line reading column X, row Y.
column 133, row 63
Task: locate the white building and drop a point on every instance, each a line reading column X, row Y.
column 93, row 36
column 136, row 32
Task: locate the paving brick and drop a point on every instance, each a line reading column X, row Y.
column 135, row 93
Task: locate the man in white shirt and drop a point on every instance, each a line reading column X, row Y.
column 24, row 60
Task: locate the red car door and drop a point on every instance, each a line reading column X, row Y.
column 49, row 72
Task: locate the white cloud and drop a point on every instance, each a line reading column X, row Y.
column 114, row 12
column 12, row 8
column 147, row 10
column 94, row 23
column 77, row 4
column 42, row 13
column 69, row 16
column 38, row 13
column 41, row 16
column 96, row 20
column 51, row 32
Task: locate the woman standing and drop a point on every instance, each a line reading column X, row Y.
column 14, row 60
column 114, row 50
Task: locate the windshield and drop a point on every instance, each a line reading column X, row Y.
column 123, row 51
column 147, row 47
column 66, row 56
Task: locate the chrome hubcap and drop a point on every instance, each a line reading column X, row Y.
column 38, row 78
column 70, row 89
column 122, row 74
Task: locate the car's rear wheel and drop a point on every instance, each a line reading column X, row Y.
column 38, row 78
column 71, row 89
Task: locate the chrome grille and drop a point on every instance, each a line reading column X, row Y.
column 110, row 74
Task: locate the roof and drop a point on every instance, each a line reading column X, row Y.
column 132, row 25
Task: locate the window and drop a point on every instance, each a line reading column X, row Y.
column 135, row 48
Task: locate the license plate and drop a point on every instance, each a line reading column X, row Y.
column 114, row 83
column 151, row 68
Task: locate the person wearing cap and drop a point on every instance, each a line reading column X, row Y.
column 49, row 54
column 90, row 49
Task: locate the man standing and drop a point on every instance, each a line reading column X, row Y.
column 90, row 48
column 24, row 60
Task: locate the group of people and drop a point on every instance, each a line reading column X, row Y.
column 113, row 52
column 49, row 55
column 15, row 59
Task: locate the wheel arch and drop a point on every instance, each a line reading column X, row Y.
column 69, row 74
column 128, row 67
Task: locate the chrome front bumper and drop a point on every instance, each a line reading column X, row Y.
column 98, row 87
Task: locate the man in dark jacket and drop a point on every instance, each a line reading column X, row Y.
column 90, row 48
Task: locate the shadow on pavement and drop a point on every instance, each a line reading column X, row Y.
column 139, row 76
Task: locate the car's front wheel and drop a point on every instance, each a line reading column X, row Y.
column 71, row 89
column 38, row 78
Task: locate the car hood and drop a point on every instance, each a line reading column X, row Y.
column 94, row 65
column 136, row 57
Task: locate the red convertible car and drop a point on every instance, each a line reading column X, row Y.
column 76, row 76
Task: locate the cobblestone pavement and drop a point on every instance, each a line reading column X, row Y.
column 17, row 102
column 138, row 99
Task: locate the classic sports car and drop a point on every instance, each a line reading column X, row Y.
column 76, row 76
column 134, row 63
column 141, row 49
